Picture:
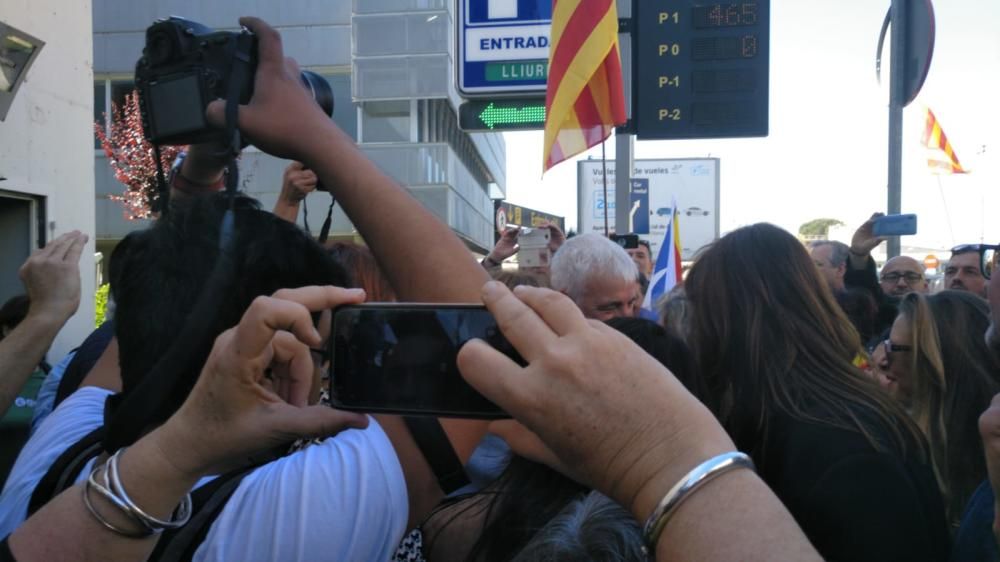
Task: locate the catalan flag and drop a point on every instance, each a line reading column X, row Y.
column 942, row 158
column 585, row 98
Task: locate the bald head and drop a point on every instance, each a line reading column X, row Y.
column 901, row 275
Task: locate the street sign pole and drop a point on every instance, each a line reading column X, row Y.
column 897, row 79
column 625, row 141
column 624, row 163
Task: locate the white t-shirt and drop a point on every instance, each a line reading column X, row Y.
column 343, row 499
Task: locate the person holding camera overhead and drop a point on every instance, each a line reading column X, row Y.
column 250, row 393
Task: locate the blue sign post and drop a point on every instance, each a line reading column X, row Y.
column 638, row 213
column 503, row 47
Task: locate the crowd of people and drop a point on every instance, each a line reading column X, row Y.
column 791, row 403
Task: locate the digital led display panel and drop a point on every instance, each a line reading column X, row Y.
column 701, row 69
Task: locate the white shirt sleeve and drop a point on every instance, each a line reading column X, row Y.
column 344, row 499
column 81, row 413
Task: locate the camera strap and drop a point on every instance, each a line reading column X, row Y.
column 324, row 231
column 126, row 417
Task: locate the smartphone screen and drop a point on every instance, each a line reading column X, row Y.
column 400, row 358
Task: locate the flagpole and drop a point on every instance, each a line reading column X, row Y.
column 947, row 214
column 604, row 165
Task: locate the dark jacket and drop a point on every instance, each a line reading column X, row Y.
column 867, row 280
column 854, row 503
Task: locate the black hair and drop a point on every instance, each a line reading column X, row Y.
column 861, row 309
column 13, row 312
column 665, row 347
column 161, row 274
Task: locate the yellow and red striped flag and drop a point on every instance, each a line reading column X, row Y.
column 942, row 158
column 585, row 97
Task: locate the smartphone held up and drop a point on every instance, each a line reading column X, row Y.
column 400, row 358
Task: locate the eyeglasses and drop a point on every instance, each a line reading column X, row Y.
column 895, row 276
column 987, row 256
column 891, row 348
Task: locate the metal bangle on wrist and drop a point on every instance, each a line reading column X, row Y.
column 114, row 492
column 696, row 478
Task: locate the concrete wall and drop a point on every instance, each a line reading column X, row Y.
column 46, row 142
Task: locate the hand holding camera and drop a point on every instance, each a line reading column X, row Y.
column 297, row 183
column 185, row 66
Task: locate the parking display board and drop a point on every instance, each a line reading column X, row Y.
column 702, row 69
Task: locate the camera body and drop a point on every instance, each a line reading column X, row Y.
column 626, row 241
column 185, row 66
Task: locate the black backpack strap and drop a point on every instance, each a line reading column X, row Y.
column 437, row 450
column 65, row 470
column 208, row 501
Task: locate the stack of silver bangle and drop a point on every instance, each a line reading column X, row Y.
column 112, row 490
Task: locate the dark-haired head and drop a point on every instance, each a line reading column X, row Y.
column 769, row 339
column 162, row 272
column 361, row 265
column 666, row 348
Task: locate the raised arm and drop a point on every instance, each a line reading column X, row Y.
column 296, row 183
column 620, row 422
column 422, row 258
column 52, row 278
column 250, row 396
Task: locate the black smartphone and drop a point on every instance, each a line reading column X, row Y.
column 627, row 241
column 399, row 358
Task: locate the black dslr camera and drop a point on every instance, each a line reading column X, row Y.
column 186, row 65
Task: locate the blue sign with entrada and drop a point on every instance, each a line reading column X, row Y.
column 503, row 46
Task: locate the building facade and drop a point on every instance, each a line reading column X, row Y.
column 46, row 168
column 391, row 66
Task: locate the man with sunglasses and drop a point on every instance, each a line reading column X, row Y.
column 969, row 267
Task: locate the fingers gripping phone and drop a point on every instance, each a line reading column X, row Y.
column 400, row 359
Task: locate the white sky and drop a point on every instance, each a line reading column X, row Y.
column 827, row 150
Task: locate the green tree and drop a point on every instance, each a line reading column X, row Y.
column 818, row 227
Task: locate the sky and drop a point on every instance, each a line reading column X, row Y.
column 826, row 154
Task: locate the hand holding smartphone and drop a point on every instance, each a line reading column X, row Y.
column 895, row 225
column 400, row 358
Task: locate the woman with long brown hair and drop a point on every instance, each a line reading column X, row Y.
column 940, row 369
column 776, row 354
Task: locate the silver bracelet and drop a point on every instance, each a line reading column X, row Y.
column 693, row 480
column 92, row 484
column 182, row 513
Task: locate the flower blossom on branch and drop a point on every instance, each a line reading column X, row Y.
column 132, row 158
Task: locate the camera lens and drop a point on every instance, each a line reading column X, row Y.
column 320, row 89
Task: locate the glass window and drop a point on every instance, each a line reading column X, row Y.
column 387, row 121
column 119, row 89
column 99, row 108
